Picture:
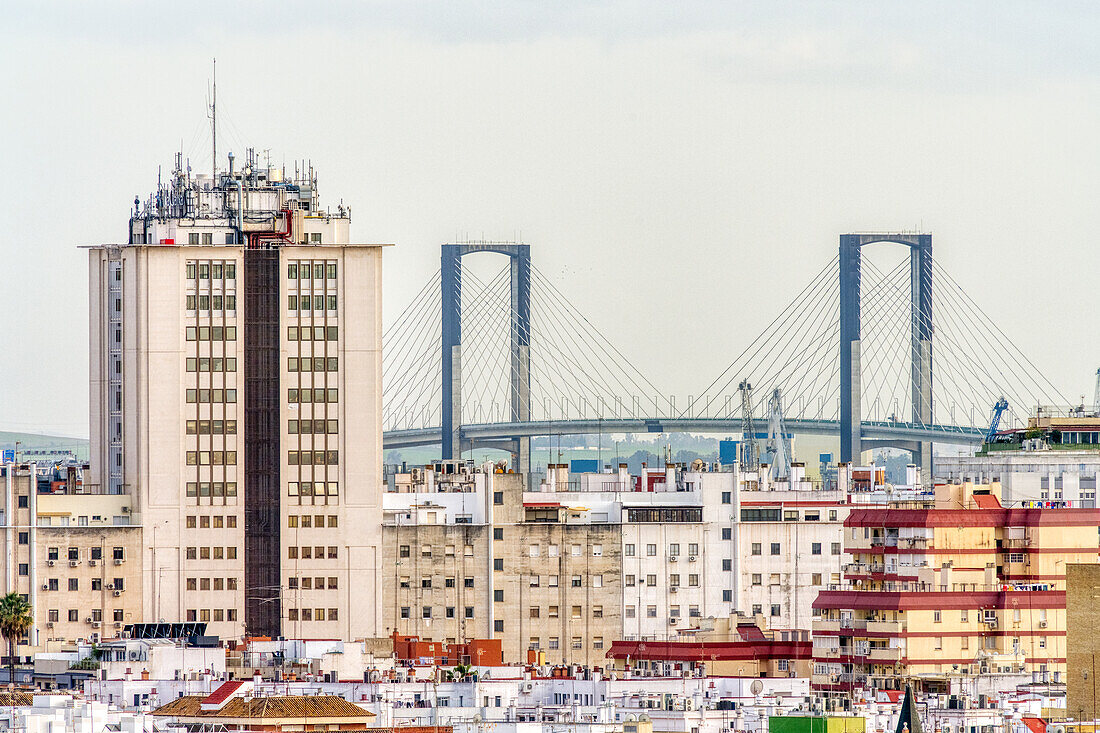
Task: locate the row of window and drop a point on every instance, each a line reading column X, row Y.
column 651, row 611
column 213, row 396
column 312, row 333
column 679, row 514
column 316, row 427
column 673, row 549
column 448, row 551
column 294, row 396
column 212, row 302
column 306, row 521
column 304, row 302
column 311, row 553
column 312, row 614
column 553, row 642
column 211, row 333
column 312, row 364
column 211, row 364
column 208, row 488
column 211, row 427
column 312, row 583
column 576, row 612
column 427, row 582
column 204, row 521
column 320, row 270
column 651, row 580
column 448, row 612
column 73, row 553
column 97, row 584
column 775, row 548
column 211, row 584
column 210, row 270
column 554, row 550
column 211, row 553
column 206, row 615
column 313, row 458
column 211, row 458
column 313, row 488
column 775, row 578
column 53, row 615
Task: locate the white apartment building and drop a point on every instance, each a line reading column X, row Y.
column 236, row 396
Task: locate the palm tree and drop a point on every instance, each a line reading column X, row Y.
column 15, row 622
column 460, row 672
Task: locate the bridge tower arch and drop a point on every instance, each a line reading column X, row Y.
column 520, row 348
column 920, row 269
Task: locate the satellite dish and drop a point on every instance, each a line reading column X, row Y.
column 756, row 687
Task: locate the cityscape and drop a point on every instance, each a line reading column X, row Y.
column 339, row 476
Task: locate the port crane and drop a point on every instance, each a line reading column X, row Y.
column 995, row 422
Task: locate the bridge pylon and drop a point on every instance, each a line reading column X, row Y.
column 520, row 343
column 851, row 382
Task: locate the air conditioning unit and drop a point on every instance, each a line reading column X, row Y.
column 118, row 624
column 118, row 593
column 45, row 586
column 73, row 563
column 673, row 558
column 110, row 586
column 528, row 686
column 1042, row 624
column 133, row 655
column 95, row 624
column 51, row 563
column 91, row 563
column 691, row 558
column 49, row 624
column 673, row 621
column 88, row 620
column 118, row 561
column 673, row 589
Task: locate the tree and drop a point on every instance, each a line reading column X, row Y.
column 460, row 672
column 15, row 622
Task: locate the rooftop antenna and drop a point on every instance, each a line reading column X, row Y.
column 214, row 121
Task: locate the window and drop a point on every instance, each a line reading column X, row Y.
column 790, row 515
column 552, row 611
column 936, row 617
column 628, row 581
column 775, row 548
column 693, row 548
column 498, row 533
column 651, row 580
column 727, row 533
column 533, row 612
column 693, row 580
column 630, row 612
column 74, row 583
column 756, row 548
column 835, row 548
column 727, row 564
column 727, row 497
column 815, row 579
column 628, row 550
column 651, row 550
column 498, row 497
column 757, row 579
column 498, row 564
column 498, row 596
column 498, row 624
column 576, row 582
column 651, row 611
column 674, row 549
column 815, row 548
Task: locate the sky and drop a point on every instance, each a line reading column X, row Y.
column 680, row 169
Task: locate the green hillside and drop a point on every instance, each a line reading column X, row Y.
column 29, row 442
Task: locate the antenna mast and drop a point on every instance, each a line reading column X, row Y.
column 214, row 122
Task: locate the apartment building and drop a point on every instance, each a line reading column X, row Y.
column 74, row 557
column 236, row 399
column 1055, row 460
column 560, row 569
column 959, row 585
column 472, row 557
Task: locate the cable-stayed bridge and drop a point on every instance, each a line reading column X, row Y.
column 883, row 356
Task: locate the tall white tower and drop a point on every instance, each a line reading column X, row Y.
column 236, row 394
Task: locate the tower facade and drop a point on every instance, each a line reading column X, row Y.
column 236, row 396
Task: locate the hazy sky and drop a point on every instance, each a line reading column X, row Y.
column 672, row 164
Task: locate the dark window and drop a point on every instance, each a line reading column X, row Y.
column 498, row 625
column 498, row 596
column 498, row 563
column 775, row 548
column 498, row 533
column 815, row 548
column 727, row 596
column 727, row 497
column 727, row 533
column 498, row 497
column 759, row 515
column 727, row 564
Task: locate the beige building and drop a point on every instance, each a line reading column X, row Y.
column 75, row 558
column 1082, row 642
column 236, row 399
column 471, row 558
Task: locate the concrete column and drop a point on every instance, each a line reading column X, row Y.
column 520, row 378
column 920, row 268
column 451, row 283
column 850, row 369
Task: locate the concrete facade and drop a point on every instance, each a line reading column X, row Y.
column 179, row 358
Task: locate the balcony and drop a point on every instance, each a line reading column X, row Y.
column 888, row 656
column 885, row 627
